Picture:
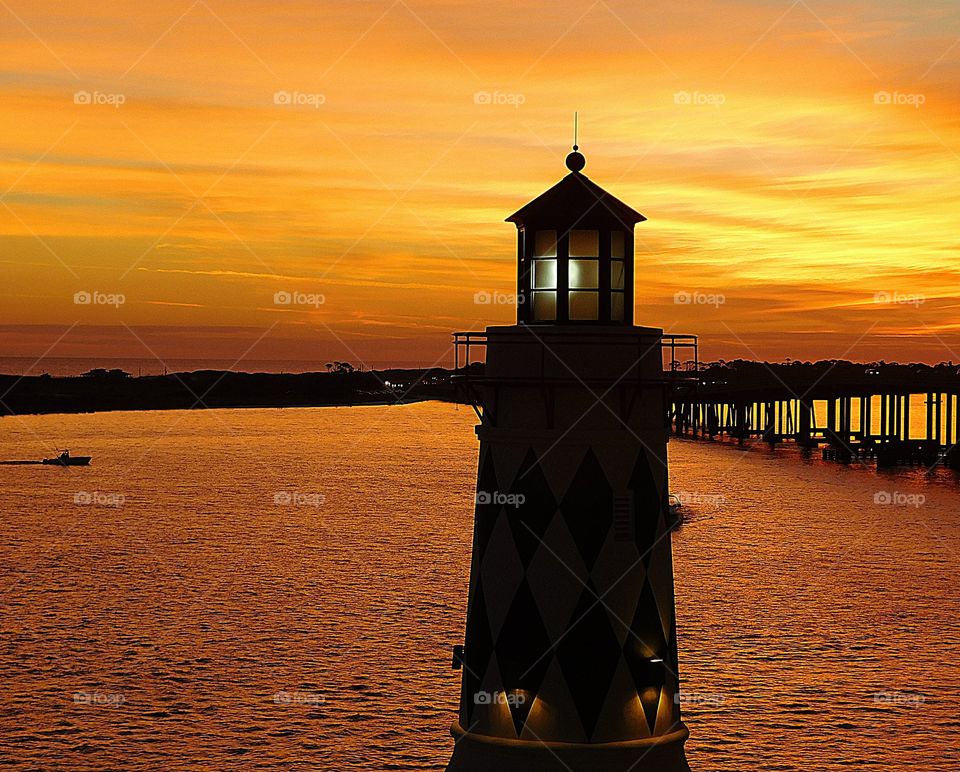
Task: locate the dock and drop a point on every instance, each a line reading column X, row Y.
column 902, row 415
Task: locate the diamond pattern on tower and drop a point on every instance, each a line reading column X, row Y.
column 486, row 513
column 588, row 655
column 587, row 508
column 650, row 700
column 622, row 716
column 554, row 718
column 647, row 504
column 500, row 572
column 647, row 637
column 530, row 520
column 660, row 576
column 619, row 584
column 646, row 642
column 523, row 650
column 556, row 576
column 477, row 652
column 519, row 712
column 530, row 565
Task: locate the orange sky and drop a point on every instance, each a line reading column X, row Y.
column 787, row 188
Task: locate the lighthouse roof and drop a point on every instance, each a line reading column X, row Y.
column 576, row 200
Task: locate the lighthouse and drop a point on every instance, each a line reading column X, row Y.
column 569, row 661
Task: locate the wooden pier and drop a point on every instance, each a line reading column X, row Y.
column 892, row 421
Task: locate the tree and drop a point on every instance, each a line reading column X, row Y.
column 99, row 372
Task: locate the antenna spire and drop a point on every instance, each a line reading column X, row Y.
column 575, row 160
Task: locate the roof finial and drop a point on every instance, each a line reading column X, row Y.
column 575, row 160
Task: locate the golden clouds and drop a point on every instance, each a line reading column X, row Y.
column 380, row 175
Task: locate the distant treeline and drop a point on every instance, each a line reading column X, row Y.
column 342, row 384
column 742, row 373
column 100, row 390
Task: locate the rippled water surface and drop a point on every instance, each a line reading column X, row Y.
column 268, row 589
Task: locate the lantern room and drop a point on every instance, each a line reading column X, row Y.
column 575, row 254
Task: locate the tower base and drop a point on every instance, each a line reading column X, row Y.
column 480, row 753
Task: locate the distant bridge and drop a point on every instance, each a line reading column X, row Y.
column 892, row 420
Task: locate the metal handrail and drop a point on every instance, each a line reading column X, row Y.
column 464, row 341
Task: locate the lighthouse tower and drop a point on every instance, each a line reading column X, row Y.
column 570, row 655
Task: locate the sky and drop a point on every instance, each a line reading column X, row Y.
column 167, row 169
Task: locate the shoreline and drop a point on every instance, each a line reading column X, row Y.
column 212, row 389
column 199, row 409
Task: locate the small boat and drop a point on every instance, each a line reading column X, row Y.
column 674, row 503
column 65, row 459
column 674, row 515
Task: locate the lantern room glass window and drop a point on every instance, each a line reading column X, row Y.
column 544, row 306
column 584, row 274
column 545, row 273
column 584, row 243
column 617, row 275
column 616, row 245
column 593, row 263
column 545, row 289
column 545, row 244
column 544, row 276
column 616, row 306
column 584, row 306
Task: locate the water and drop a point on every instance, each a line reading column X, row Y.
column 190, row 618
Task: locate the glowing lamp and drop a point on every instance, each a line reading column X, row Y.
column 575, row 254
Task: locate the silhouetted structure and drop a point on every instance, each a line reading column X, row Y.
column 220, row 389
column 853, row 412
column 570, row 656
